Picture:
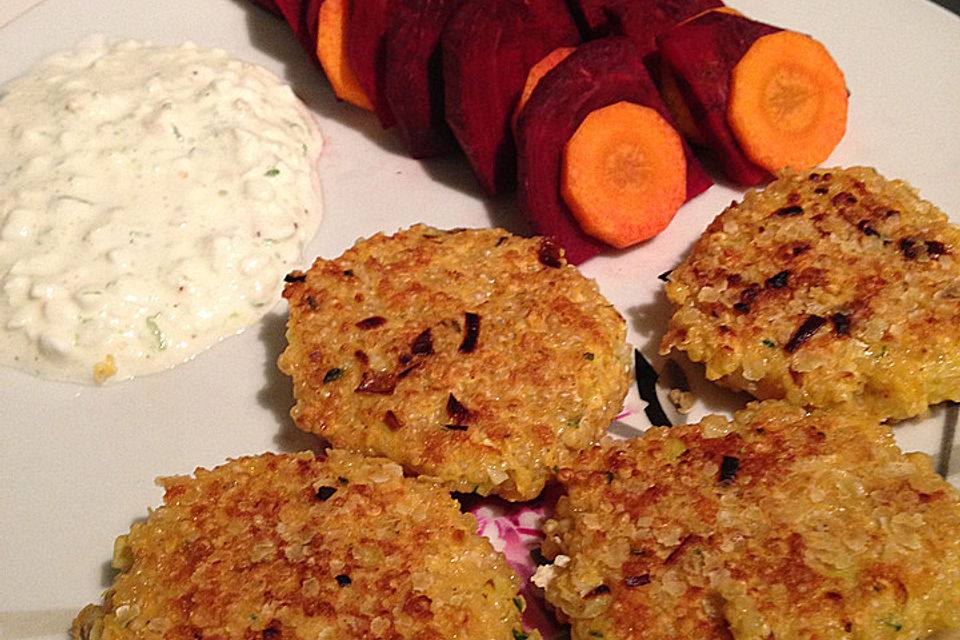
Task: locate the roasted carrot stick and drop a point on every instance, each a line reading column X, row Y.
column 624, row 173
column 788, row 102
column 332, row 52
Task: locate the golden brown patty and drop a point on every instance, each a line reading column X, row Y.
column 827, row 286
column 781, row 524
column 474, row 356
column 291, row 546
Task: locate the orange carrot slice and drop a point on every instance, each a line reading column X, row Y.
column 788, row 102
column 536, row 72
column 623, row 174
column 332, row 52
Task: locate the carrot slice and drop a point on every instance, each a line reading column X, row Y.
column 536, row 72
column 788, row 102
column 332, row 52
column 624, row 173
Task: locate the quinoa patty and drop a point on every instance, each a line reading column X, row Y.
column 781, row 524
column 828, row 286
column 473, row 356
column 292, row 546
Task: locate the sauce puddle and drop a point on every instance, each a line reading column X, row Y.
column 151, row 201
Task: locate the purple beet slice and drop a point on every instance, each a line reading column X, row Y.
column 367, row 22
column 701, row 54
column 413, row 74
column 488, row 47
column 553, row 16
column 679, row 10
column 641, row 20
column 599, row 73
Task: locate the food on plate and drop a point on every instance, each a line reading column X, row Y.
column 763, row 98
column 333, row 56
column 782, row 523
column 367, row 22
column 788, row 102
column 829, row 286
column 759, row 98
column 413, row 76
column 473, row 356
column 599, row 73
column 624, row 174
column 151, row 200
column 488, row 47
column 297, row 546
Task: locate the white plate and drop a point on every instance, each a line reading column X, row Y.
column 77, row 463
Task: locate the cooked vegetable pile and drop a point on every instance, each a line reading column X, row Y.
column 591, row 111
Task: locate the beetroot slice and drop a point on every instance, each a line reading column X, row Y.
column 554, row 17
column 413, row 75
column 488, row 47
column 591, row 18
column 295, row 12
column 599, row 73
column 366, row 48
column 641, row 20
column 702, row 54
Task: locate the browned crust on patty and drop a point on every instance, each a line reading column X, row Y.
column 473, row 356
column 292, row 546
column 827, row 286
column 783, row 523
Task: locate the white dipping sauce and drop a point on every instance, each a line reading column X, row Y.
column 151, row 201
